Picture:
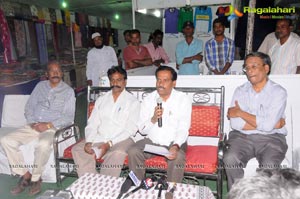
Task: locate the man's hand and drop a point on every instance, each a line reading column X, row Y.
column 88, row 148
column 280, row 123
column 89, row 82
column 104, row 148
column 173, row 152
column 234, row 111
column 216, row 72
column 198, row 57
column 158, row 62
column 157, row 114
column 41, row 126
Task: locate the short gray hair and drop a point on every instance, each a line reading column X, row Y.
column 268, row 184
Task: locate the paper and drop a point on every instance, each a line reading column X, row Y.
column 97, row 152
column 159, row 150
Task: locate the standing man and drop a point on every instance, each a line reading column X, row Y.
column 51, row 106
column 99, row 59
column 285, row 53
column 256, row 117
column 157, row 53
column 127, row 38
column 176, row 117
column 136, row 55
column 189, row 52
column 112, row 122
column 219, row 51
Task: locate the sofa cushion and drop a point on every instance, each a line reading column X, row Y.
column 13, row 111
column 201, row 159
column 205, row 121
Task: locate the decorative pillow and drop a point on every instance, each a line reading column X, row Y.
column 13, row 111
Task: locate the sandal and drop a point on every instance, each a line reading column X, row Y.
column 22, row 184
column 35, row 188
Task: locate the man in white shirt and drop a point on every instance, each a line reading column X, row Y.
column 270, row 40
column 107, row 134
column 176, row 118
column 285, row 52
column 99, row 59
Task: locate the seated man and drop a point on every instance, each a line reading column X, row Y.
column 256, row 117
column 112, row 122
column 176, row 120
column 136, row 55
column 157, row 53
column 50, row 107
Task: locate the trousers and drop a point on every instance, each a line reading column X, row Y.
column 12, row 142
column 113, row 159
column 137, row 157
column 269, row 150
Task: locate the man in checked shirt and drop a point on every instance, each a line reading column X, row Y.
column 50, row 107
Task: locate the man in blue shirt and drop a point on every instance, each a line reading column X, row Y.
column 189, row 52
column 257, row 119
column 219, row 51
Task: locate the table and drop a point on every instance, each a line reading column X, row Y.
column 97, row 186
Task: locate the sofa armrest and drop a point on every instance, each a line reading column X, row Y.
column 221, row 146
column 65, row 135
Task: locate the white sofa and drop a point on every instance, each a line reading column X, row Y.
column 13, row 118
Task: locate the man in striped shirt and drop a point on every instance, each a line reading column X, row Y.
column 51, row 106
column 219, row 51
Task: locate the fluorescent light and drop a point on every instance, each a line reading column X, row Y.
column 143, row 11
column 157, row 13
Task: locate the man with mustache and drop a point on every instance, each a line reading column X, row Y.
column 256, row 117
column 176, row 119
column 135, row 55
column 51, row 106
column 99, row 59
column 107, row 134
column 219, row 51
column 285, row 52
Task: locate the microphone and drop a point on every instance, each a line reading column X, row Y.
column 161, row 185
column 125, row 187
column 130, row 180
column 159, row 104
column 145, row 184
column 169, row 195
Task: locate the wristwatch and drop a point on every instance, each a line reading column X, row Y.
column 48, row 126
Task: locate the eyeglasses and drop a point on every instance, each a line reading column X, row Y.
column 253, row 67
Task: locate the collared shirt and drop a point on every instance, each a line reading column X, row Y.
column 176, row 118
column 113, row 120
column 55, row 105
column 270, row 40
column 268, row 106
column 130, row 53
column 285, row 58
column 184, row 50
column 157, row 53
column 217, row 54
column 98, row 63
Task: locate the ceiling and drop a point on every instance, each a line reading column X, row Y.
column 91, row 7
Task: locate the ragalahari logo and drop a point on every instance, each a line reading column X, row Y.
column 230, row 12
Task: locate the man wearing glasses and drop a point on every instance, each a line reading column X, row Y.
column 257, row 119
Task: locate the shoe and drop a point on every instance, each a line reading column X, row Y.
column 22, row 184
column 35, row 188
